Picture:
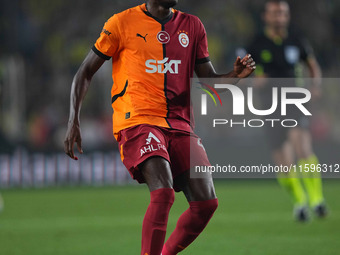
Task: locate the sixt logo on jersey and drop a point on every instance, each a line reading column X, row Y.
column 162, row 66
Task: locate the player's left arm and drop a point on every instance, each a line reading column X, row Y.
column 242, row 69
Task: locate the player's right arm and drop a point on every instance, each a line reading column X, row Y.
column 80, row 85
column 105, row 47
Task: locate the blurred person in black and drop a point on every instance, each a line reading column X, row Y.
column 278, row 52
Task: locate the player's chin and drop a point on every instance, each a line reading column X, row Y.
column 168, row 3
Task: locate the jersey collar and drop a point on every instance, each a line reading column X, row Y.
column 164, row 21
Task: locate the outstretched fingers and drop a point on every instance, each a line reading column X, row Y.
column 249, row 62
column 68, row 148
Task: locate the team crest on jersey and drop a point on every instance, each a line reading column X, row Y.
column 163, row 37
column 183, row 38
column 292, row 54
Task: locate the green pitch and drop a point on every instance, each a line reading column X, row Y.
column 254, row 218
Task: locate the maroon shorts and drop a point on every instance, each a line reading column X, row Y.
column 138, row 143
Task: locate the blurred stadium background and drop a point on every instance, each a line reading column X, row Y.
column 42, row 43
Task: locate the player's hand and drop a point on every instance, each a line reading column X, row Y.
column 73, row 135
column 244, row 67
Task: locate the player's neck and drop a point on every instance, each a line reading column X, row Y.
column 274, row 33
column 158, row 11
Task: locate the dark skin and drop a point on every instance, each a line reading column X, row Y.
column 156, row 170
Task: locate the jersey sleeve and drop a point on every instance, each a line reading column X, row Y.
column 109, row 41
column 202, row 53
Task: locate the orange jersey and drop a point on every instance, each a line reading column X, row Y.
column 152, row 63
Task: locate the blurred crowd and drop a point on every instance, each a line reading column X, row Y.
column 42, row 43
